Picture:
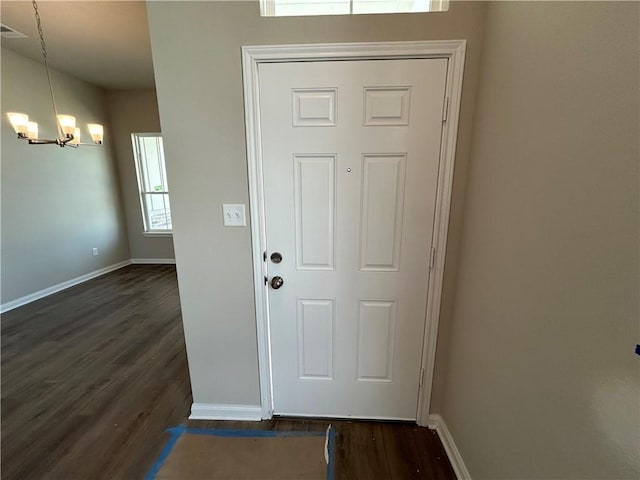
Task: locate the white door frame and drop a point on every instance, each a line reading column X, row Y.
column 252, row 57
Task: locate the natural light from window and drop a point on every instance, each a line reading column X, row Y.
column 291, row 8
column 152, row 182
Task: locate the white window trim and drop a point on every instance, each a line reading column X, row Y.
column 147, row 232
column 158, row 233
column 268, row 8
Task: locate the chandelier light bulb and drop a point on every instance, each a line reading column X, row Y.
column 67, row 124
column 97, row 132
column 19, row 122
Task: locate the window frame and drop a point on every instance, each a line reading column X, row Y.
column 142, row 193
column 268, row 8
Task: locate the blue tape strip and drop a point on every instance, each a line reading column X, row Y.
column 155, row 468
column 249, row 433
column 331, row 466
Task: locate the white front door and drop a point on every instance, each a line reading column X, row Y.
column 350, row 155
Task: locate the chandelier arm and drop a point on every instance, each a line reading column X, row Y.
column 63, row 142
column 41, row 142
column 43, row 46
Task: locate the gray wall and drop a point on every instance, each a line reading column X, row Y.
column 135, row 111
column 196, row 50
column 542, row 381
column 57, row 203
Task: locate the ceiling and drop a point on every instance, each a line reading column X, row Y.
column 105, row 43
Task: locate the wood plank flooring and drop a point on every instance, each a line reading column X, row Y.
column 93, row 375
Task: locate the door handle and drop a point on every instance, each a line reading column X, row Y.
column 277, row 282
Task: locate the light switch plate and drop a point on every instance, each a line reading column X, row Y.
column 234, row 216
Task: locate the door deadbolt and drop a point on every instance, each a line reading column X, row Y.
column 276, row 257
column 277, row 282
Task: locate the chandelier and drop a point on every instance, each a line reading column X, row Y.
column 68, row 133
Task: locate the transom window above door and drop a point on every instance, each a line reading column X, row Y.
column 294, row 8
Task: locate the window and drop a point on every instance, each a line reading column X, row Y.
column 288, row 8
column 152, row 182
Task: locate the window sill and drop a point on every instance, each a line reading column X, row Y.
column 157, row 234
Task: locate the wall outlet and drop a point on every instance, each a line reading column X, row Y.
column 234, row 216
column 94, row 251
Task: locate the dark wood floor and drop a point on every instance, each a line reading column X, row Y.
column 92, row 376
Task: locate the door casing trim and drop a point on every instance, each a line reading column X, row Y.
column 252, row 57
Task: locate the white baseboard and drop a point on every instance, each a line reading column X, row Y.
column 32, row 297
column 207, row 411
column 437, row 423
column 153, row 261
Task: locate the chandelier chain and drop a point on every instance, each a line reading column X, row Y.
column 40, row 32
column 43, row 46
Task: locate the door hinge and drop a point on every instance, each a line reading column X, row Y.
column 421, row 379
column 445, row 110
column 264, row 256
column 432, row 260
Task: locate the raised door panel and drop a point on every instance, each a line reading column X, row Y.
column 376, row 340
column 315, row 211
column 314, row 107
column 315, row 339
column 386, row 106
column 383, row 179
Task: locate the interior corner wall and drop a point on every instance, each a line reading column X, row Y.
column 542, row 380
column 197, row 62
column 135, row 111
column 57, row 203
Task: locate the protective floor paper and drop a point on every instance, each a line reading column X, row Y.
column 245, row 454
